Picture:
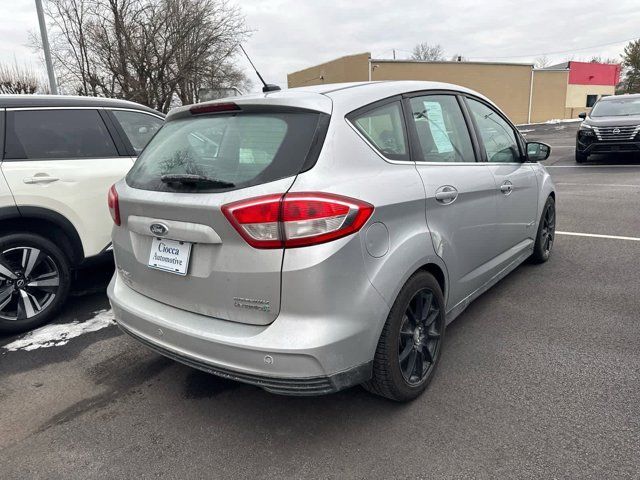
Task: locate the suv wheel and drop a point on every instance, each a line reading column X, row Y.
column 409, row 347
column 546, row 233
column 34, row 281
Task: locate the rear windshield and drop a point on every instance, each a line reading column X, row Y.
column 237, row 150
column 617, row 108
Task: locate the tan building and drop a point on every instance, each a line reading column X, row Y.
column 526, row 94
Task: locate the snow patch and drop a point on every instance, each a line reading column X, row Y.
column 551, row 122
column 56, row 335
column 564, row 120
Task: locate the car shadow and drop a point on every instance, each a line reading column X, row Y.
column 613, row 159
column 93, row 278
column 266, row 411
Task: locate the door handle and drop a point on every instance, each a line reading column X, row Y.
column 446, row 194
column 506, row 187
column 40, row 178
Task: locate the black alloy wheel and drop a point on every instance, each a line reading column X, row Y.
column 546, row 234
column 548, row 229
column 410, row 344
column 419, row 341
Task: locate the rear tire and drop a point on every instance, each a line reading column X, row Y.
column 546, row 233
column 34, row 281
column 581, row 157
column 409, row 348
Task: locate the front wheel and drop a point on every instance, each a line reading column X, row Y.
column 546, row 233
column 34, row 281
column 409, row 347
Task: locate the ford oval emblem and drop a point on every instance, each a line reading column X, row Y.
column 159, row 229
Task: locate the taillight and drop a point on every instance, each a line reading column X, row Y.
column 114, row 206
column 296, row 219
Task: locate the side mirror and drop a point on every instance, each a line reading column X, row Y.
column 537, row 151
column 582, row 115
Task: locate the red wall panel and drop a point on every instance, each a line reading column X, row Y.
column 581, row 73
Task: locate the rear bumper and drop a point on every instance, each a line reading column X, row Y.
column 283, row 386
column 293, row 355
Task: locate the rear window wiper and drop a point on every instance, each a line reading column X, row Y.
column 191, row 179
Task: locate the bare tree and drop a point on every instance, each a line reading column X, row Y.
column 424, row 51
column 15, row 79
column 542, row 62
column 206, row 67
column 608, row 60
column 150, row 51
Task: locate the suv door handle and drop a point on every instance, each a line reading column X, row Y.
column 40, row 179
column 506, row 187
column 446, row 194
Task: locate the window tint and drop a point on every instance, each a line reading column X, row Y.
column 139, row 127
column 33, row 134
column 497, row 135
column 384, row 128
column 617, row 107
column 442, row 131
column 242, row 149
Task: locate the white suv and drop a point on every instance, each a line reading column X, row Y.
column 60, row 155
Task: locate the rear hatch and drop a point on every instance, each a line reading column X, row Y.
column 175, row 243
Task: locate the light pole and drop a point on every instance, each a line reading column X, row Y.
column 45, row 46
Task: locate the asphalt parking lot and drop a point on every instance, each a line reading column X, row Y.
column 540, row 378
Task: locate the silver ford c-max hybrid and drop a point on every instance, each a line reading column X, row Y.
column 316, row 238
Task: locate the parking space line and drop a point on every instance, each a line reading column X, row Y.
column 596, row 235
column 599, row 184
column 591, row 166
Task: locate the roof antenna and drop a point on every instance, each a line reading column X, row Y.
column 268, row 87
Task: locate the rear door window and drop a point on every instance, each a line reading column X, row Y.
column 57, row 133
column 240, row 149
column 384, row 127
column 138, row 127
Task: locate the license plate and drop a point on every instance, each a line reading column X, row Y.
column 170, row 255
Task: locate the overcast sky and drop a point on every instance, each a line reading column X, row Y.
column 290, row 35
